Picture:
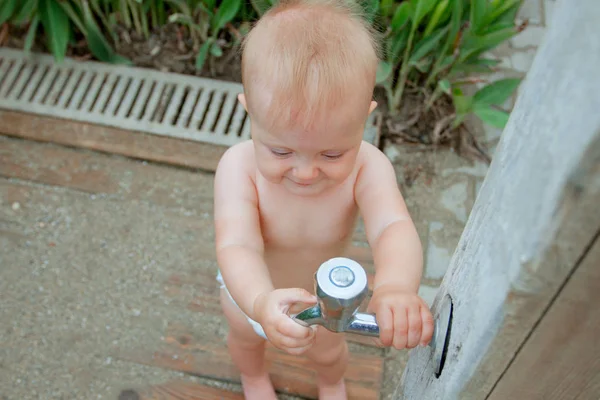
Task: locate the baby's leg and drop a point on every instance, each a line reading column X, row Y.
column 330, row 356
column 247, row 350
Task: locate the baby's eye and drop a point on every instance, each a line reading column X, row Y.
column 280, row 152
column 332, row 156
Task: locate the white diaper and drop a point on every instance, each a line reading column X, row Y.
column 255, row 325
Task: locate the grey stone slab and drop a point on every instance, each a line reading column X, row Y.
column 532, row 11
column 438, row 259
column 530, row 37
column 454, row 199
column 428, row 293
column 522, row 60
column 491, row 132
column 478, row 169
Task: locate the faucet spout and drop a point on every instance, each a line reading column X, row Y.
column 363, row 324
column 310, row 316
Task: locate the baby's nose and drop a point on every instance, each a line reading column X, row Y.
column 305, row 172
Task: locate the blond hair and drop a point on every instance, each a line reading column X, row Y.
column 309, row 56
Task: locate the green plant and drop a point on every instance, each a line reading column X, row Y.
column 205, row 21
column 439, row 44
column 60, row 19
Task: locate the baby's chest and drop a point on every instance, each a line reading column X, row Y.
column 318, row 223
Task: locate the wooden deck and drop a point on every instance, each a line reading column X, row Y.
column 179, row 348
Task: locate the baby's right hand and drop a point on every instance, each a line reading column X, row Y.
column 270, row 310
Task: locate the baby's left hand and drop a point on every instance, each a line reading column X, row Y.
column 404, row 318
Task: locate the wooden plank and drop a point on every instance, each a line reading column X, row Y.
column 102, row 174
column 535, row 214
column 561, row 360
column 209, row 357
column 180, row 390
column 184, row 153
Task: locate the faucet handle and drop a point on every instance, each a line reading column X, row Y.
column 340, row 286
column 341, row 280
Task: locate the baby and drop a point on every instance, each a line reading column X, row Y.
column 288, row 199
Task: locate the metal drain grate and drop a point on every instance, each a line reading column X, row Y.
column 137, row 99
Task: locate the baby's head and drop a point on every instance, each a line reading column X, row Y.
column 308, row 69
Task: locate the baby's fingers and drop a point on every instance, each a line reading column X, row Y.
column 400, row 328
column 414, row 326
column 288, row 327
column 386, row 326
column 291, row 343
column 428, row 325
column 296, row 351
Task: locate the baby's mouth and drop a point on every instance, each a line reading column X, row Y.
column 304, row 184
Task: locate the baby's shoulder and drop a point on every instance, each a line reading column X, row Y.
column 236, row 169
column 369, row 154
column 239, row 158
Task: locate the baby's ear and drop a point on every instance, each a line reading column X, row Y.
column 372, row 106
column 242, row 99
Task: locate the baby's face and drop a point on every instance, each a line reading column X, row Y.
column 308, row 162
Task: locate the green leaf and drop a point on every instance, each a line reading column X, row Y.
column 401, row 16
column 7, row 9
column 497, row 92
column 497, row 27
column 216, row 50
column 426, row 45
column 474, row 45
column 25, row 13
column 386, row 7
column 396, row 44
column 56, row 27
column 478, row 11
column 436, row 17
column 444, row 86
column 423, row 65
column 499, row 10
column 455, row 20
column 370, row 7
column 423, row 7
column 384, row 70
column 96, row 41
column 31, row 32
column 492, row 116
column 203, row 53
column 227, row 11
column 484, row 61
column 469, row 69
column 210, row 4
column 462, row 103
column 260, row 6
column 73, row 16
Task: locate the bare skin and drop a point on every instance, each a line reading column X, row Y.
column 273, row 234
column 287, row 200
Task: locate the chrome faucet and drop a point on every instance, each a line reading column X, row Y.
column 341, row 286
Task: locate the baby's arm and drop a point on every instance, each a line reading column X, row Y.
column 239, row 244
column 240, row 254
column 403, row 316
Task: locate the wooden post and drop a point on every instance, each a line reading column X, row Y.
column 535, row 217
